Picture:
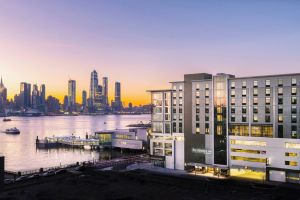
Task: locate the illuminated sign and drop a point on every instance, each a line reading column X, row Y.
column 201, row 151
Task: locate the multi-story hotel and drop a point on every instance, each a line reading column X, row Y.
column 229, row 125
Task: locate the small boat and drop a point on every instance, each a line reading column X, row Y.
column 6, row 120
column 12, row 131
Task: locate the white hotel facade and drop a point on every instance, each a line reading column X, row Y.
column 230, row 125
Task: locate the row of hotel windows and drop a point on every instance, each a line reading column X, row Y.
column 261, row 160
column 255, row 118
column 267, row 92
column 267, row 83
column 288, row 145
column 267, row 100
column 267, row 109
column 157, row 127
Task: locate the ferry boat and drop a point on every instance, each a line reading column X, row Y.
column 12, row 131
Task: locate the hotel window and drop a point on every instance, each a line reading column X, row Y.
column 268, row 100
column 157, row 127
column 180, row 87
column 268, row 118
column 291, row 163
column 294, row 91
column 232, row 93
column 280, row 110
column 197, row 102
column 268, row 91
column 244, row 118
column 244, row 101
column 197, row 118
column 219, row 117
column 174, row 95
column 206, row 110
column 174, row 110
column 280, row 91
column 232, row 84
column 232, row 109
column 174, row 87
column 180, row 128
column 255, row 109
column 294, row 100
column 268, row 83
column 233, row 118
column 255, row 118
column 167, row 128
column 206, row 128
column 255, row 91
column 197, row 94
column 244, row 92
column 255, row 101
column 206, row 118
column 219, row 130
column 197, row 86
column 294, row 131
column 244, row 84
column 174, row 127
column 294, row 109
column 180, row 110
column 255, row 83
column 174, row 116
column 206, row 86
column 197, row 110
column 267, row 109
column 280, row 82
column 232, row 101
column 206, row 93
column 280, row 118
column 207, row 101
column 248, row 143
column 294, row 81
column 244, row 109
column 197, row 128
column 180, row 102
column 180, row 117
column 291, row 154
column 280, row 131
column 180, row 94
column 280, row 100
column 294, row 119
column 290, row 145
column 174, row 103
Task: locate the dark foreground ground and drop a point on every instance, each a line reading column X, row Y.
column 141, row 185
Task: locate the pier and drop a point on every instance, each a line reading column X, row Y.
column 67, row 141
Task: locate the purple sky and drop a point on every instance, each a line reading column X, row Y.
column 144, row 44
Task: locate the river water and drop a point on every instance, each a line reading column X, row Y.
column 20, row 150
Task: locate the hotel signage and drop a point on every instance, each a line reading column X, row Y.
column 201, row 151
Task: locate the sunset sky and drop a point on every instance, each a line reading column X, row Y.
column 144, row 44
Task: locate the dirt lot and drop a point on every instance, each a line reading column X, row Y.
column 141, row 185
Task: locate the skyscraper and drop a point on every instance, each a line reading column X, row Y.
column 35, row 97
column 3, row 95
column 105, row 89
column 93, row 84
column 66, row 103
column 84, row 102
column 117, row 103
column 72, row 95
column 25, row 95
column 43, row 98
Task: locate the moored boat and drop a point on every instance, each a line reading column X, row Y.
column 6, row 120
column 12, row 131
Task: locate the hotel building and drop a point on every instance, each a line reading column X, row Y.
column 237, row 126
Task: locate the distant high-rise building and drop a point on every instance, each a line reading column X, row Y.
column 25, row 95
column 53, row 105
column 35, row 97
column 72, row 95
column 3, row 95
column 105, row 89
column 84, row 101
column 117, row 103
column 66, row 103
column 93, row 85
column 43, row 98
